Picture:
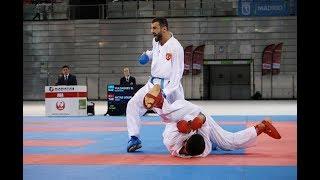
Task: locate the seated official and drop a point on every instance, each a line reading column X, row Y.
column 127, row 79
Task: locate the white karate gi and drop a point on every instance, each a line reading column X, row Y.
column 168, row 64
column 212, row 133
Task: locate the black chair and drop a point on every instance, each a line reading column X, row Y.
column 90, row 108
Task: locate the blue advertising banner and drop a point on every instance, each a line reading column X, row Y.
column 266, row 7
column 118, row 97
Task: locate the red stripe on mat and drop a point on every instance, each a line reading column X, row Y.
column 65, row 94
column 109, row 123
column 285, row 146
column 50, row 142
column 74, row 129
column 153, row 159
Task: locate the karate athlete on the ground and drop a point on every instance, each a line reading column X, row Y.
column 167, row 65
column 191, row 133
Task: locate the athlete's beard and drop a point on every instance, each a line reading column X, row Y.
column 157, row 37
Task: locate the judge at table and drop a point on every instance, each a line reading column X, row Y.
column 66, row 78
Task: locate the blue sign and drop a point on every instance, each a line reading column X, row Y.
column 266, row 7
column 118, row 97
column 110, row 87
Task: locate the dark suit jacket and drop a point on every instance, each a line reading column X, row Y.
column 72, row 80
column 124, row 82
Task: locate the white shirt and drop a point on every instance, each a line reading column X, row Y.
column 167, row 62
column 127, row 78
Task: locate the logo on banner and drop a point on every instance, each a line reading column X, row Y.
column 61, row 88
column 245, row 9
column 82, row 103
column 168, row 56
column 110, row 87
column 221, row 49
column 60, row 105
column 111, row 97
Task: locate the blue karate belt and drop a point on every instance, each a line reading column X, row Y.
column 161, row 81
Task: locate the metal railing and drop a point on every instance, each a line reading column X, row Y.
column 139, row 9
column 130, row 9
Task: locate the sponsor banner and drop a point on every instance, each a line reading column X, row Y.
column 66, row 107
column 53, row 89
column 65, row 94
column 267, row 59
column 66, row 100
column 266, row 7
column 197, row 59
column 276, row 59
column 187, row 59
column 118, row 97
